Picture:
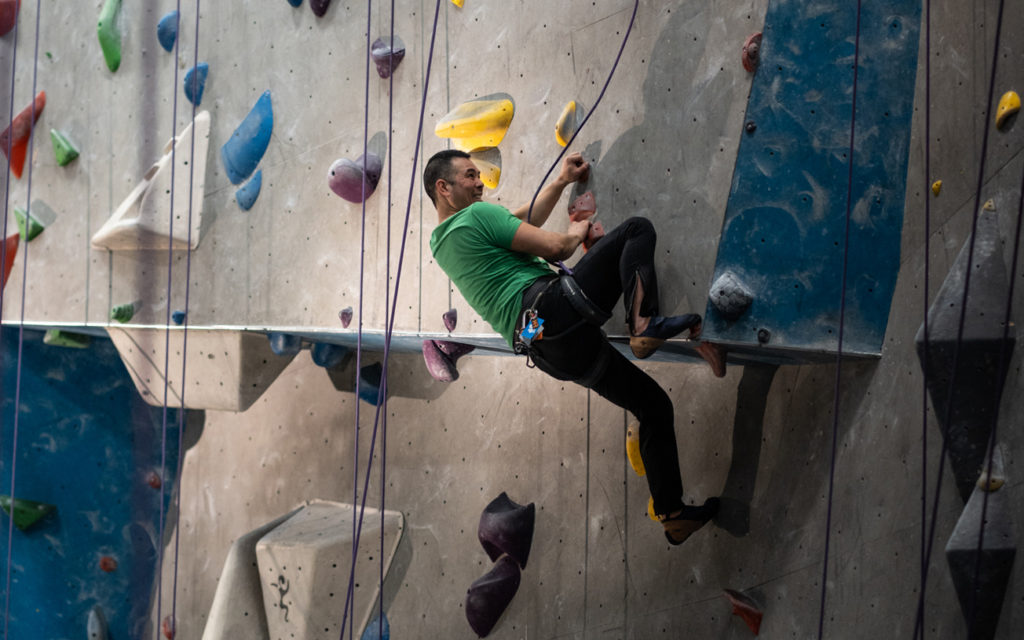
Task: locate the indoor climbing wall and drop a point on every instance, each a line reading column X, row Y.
column 253, row 170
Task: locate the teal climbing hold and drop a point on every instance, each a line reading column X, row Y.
column 195, row 82
column 34, row 226
column 63, row 148
column 378, row 629
column 178, row 317
column 370, row 378
column 167, row 30
column 328, row 355
column 244, row 150
column 247, row 193
column 123, row 312
column 109, row 34
column 58, row 338
column 26, row 512
column 295, row 3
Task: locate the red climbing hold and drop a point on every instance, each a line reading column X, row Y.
column 596, row 233
column 10, row 249
column 582, row 207
column 745, row 608
column 14, row 139
column 153, row 480
column 108, row 564
column 752, row 52
column 167, row 626
column 8, row 15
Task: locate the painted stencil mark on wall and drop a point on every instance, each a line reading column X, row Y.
column 283, row 586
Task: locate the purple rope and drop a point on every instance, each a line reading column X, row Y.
column 21, row 328
column 919, row 620
column 608, row 81
column 927, row 270
column 184, row 335
column 842, row 314
column 398, row 279
column 167, row 338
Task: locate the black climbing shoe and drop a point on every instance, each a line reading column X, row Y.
column 660, row 329
column 682, row 526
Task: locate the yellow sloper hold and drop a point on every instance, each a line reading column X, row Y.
column 457, row 3
column 566, row 125
column 477, row 124
column 937, row 187
column 488, row 161
column 633, row 449
column 990, row 205
column 1009, row 104
column 650, row 510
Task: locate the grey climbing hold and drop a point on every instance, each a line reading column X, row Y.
column 730, row 295
column 507, row 528
column 328, row 355
column 386, row 54
column 490, row 595
column 97, row 624
column 167, row 30
column 982, row 598
column 983, row 359
column 284, row 344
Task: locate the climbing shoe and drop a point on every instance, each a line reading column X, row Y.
column 679, row 528
column 660, row 329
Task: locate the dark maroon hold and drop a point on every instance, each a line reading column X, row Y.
column 507, row 528
column 319, row 7
column 490, row 595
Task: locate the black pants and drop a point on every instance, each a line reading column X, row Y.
column 608, row 271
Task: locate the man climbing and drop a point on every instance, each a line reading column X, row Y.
column 497, row 260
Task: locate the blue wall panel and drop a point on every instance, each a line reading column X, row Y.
column 785, row 220
column 86, row 443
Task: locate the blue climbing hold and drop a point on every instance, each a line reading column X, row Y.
column 178, row 317
column 328, row 355
column 295, row 3
column 379, row 629
column 284, row 344
column 195, row 82
column 167, row 30
column 244, row 150
column 247, row 194
column 369, row 383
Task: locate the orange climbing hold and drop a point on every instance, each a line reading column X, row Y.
column 10, row 249
column 752, row 52
column 745, row 608
column 14, row 139
column 583, row 207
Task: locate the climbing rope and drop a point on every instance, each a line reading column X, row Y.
column 21, row 322
column 586, row 118
column 919, row 620
column 184, row 333
column 394, row 301
column 842, row 324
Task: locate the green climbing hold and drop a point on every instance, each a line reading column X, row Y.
column 35, row 227
column 58, row 338
column 123, row 312
column 62, row 148
column 110, row 36
column 26, row 512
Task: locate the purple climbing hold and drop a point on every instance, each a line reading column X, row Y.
column 319, row 7
column 345, row 315
column 507, row 528
column 386, row 55
column 167, row 30
column 451, row 317
column 355, row 181
column 490, row 594
column 247, row 193
column 195, row 82
column 246, row 146
column 441, row 356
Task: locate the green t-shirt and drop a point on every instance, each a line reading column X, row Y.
column 472, row 247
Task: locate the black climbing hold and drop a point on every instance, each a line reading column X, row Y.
column 974, row 405
column 284, row 344
column 763, row 336
column 998, row 550
column 730, row 296
column 751, row 126
column 328, row 355
column 490, row 594
column 507, row 528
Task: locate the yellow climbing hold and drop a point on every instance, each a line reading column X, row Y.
column 1009, row 104
column 457, row 3
column 488, row 161
column 990, row 205
column 566, row 125
column 478, row 123
column 937, row 187
column 633, row 448
column 650, row 510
